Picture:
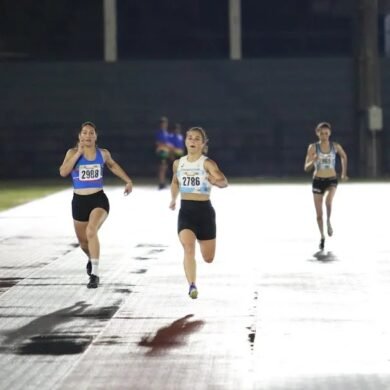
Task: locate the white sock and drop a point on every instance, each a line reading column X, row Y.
column 95, row 267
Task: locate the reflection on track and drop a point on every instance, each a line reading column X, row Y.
column 171, row 336
column 325, row 256
column 48, row 335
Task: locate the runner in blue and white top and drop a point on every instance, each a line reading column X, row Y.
column 321, row 156
column 193, row 176
column 90, row 205
column 88, row 173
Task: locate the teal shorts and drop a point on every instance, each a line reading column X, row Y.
column 162, row 155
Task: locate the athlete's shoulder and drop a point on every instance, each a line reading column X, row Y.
column 336, row 146
column 105, row 154
column 208, row 160
column 71, row 151
column 312, row 146
column 177, row 164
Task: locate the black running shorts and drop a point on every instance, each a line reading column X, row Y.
column 199, row 217
column 322, row 184
column 82, row 205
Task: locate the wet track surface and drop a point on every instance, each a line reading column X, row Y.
column 273, row 311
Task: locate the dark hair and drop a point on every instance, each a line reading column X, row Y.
column 202, row 132
column 88, row 123
column 323, row 125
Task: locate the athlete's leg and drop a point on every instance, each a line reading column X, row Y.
column 318, row 200
column 207, row 248
column 96, row 219
column 81, row 234
column 188, row 240
column 328, row 203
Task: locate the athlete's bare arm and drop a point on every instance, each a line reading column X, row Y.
column 311, row 158
column 215, row 177
column 174, row 185
column 344, row 161
column 71, row 157
column 117, row 170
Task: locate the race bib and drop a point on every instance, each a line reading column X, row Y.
column 326, row 162
column 90, row 172
column 190, row 181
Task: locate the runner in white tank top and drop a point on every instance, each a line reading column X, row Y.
column 321, row 157
column 193, row 176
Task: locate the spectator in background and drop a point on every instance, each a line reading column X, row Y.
column 163, row 151
column 177, row 141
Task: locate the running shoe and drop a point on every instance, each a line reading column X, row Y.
column 93, row 281
column 330, row 229
column 193, row 293
column 89, row 268
column 322, row 244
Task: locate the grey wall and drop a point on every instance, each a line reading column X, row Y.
column 259, row 114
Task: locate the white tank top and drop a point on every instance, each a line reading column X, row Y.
column 325, row 160
column 192, row 176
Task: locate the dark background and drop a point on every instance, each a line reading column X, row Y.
column 260, row 112
column 71, row 30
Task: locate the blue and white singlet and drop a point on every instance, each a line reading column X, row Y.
column 192, row 176
column 88, row 173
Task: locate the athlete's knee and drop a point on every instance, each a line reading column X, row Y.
column 189, row 248
column 319, row 217
column 91, row 232
column 83, row 244
column 208, row 258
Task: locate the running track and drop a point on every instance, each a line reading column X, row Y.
column 273, row 313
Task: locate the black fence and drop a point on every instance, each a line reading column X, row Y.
column 259, row 114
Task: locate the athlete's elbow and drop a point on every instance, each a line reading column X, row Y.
column 63, row 172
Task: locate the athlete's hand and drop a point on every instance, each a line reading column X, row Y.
column 172, row 205
column 128, row 188
column 80, row 147
column 211, row 179
column 344, row 178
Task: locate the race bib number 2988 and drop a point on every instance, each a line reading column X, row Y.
column 90, row 172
